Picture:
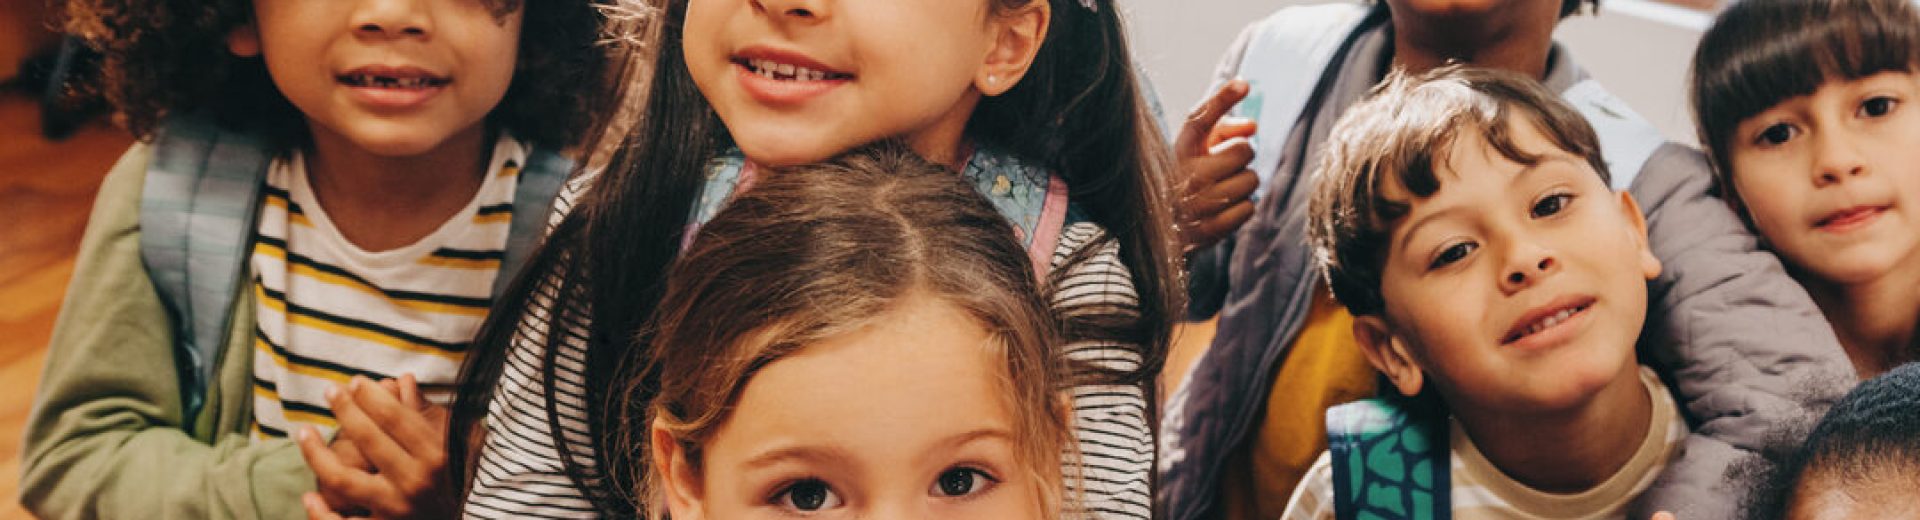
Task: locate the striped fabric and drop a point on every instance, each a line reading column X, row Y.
column 329, row 310
column 520, row 474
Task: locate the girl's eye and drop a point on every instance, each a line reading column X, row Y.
column 1552, row 205
column 959, row 482
column 1877, row 107
column 808, row 495
column 1453, row 254
column 1775, row 135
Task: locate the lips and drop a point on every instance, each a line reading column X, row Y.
column 789, row 72
column 393, row 87
column 784, row 78
column 1850, row 218
column 1546, row 318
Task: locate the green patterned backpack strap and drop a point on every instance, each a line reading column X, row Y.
column 1388, row 463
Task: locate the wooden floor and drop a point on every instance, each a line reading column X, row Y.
column 46, row 190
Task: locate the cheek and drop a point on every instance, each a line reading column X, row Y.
column 1771, row 203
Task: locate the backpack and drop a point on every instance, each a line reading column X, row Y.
column 197, row 216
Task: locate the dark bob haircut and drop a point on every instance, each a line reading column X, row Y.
column 1762, row 52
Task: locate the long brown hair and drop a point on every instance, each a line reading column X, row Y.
column 1079, row 112
column 817, row 251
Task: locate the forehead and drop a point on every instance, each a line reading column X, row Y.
column 890, row 391
column 1470, row 165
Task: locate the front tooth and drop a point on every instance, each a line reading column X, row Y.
column 785, row 69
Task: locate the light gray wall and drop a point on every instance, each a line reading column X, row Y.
column 1638, row 48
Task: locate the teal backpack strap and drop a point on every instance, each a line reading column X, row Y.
column 1389, row 463
column 1626, row 139
column 540, row 181
column 1286, row 65
column 197, row 212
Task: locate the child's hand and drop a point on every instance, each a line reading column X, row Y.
column 1663, row 515
column 402, row 438
column 1215, row 187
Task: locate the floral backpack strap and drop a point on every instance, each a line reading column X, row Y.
column 1032, row 198
column 1388, row 463
column 729, row 173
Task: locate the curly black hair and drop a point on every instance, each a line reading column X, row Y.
column 1871, row 433
column 170, row 56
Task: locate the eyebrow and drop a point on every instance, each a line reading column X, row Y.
column 822, row 454
column 802, row 453
column 1545, row 159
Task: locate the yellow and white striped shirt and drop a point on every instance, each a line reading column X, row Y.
column 329, row 310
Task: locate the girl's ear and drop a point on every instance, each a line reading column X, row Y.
column 1649, row 264
column 1388, row 354
column 244, row 41
column 680, row 484
column 1017, row 37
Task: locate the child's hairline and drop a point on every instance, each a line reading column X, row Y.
column 1510, row 111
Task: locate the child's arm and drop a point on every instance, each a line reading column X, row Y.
column 106, row 437
column 1207, row 276
column 1743, row 344
column 1110, row 421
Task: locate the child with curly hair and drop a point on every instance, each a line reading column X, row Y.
column 326, row 194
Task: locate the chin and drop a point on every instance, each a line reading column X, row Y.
column 1853, row 267
column 775, row 152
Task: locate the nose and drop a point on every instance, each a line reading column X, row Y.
column 1527, row 264
column 794, row 10
column 1837, row 159
column 393, row 19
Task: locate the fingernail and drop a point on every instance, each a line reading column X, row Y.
column 333, row 392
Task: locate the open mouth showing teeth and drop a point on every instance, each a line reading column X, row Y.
column 788, row 71
column 1543, row 324
column 377, row 81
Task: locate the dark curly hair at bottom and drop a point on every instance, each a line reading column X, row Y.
column 170, row 56
column 1872, row 433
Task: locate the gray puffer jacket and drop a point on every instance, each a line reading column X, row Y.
column 1740, row 343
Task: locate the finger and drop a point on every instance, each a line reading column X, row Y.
column 308, row 440
column 407, row 448
column 1233, row 189
column 1223, row 160
column 1212, row 229
column 378, row 445
column 403, row 423
column 317, row 508
column 1209, row 202
column 1663, row 515
column 1193, row 134
column 349, row 454
column 340, row 483
column 1230, row 127
column 410, row 392
column 392, row 385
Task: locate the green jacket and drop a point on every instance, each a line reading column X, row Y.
column 106, row 438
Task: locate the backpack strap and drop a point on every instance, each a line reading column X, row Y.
column 197, row 211
column 1389, row 463
column 1035, row 200
column 1626, row 139
column 539, row 182
column 1288, row 65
